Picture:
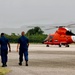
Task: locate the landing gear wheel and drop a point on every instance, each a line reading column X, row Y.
column 60, row 45
column 47, row 45
column 67, row 45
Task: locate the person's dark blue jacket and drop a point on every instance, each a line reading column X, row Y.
column 4, row 41
column 23, row 41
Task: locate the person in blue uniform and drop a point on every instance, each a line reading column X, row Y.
column 4, row 42
column 23, row 43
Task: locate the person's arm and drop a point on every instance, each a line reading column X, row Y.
column 9, row 47
column 28, row 44
column 18, row 47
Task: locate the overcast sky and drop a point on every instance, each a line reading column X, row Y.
column 16, row 13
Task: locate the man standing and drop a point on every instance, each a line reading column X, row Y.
column 4, row 42
column 23, row 43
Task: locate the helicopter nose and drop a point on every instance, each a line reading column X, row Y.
column 73, row 38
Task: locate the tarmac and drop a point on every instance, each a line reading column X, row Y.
column 43, row 60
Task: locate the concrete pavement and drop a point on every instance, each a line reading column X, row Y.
column 44, row 61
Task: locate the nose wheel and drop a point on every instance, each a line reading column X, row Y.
column 47, row 45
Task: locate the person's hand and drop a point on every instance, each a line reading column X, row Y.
column 16, row 50
column 9, row 49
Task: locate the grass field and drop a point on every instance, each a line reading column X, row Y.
column 4, row 71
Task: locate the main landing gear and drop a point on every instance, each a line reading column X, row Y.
column 66, row 45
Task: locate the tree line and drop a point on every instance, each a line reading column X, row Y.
column 35, row 35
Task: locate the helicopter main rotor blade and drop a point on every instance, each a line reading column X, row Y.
column 51, row 26
column 32, row 26
column 71, row 25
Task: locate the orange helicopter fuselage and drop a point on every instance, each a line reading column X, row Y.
column 59, row 37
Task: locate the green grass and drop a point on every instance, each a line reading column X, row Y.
column 4, row 71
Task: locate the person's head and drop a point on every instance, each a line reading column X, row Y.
column 2, row 34
column 22, row 33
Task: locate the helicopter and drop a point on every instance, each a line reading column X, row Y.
column 62, row 36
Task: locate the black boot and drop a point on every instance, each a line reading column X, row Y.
column 4, row 65
column 26, row 63
column 20, row 63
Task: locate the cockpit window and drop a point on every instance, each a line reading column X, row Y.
column 51, row 37
column 69, row 33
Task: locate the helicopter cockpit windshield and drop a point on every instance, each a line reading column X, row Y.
column 69, row 33
column 50, row 38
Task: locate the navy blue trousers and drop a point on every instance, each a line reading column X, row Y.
column 4, row 56
column 21, row 53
